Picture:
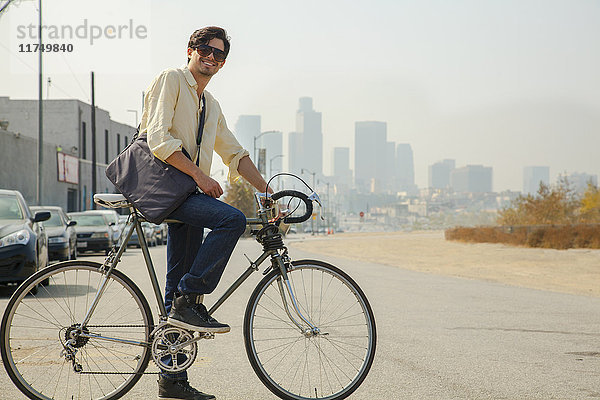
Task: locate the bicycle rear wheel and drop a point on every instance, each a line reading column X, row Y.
column 37, row 327
column 295, row 364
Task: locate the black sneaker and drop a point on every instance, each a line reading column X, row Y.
column 188, row 313
column 180, row 390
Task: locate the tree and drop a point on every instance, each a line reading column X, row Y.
column 551, row 205
column 590, row 204
column 240, row 195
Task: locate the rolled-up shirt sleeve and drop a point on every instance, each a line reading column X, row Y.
column 230, row 150
column 160, row 102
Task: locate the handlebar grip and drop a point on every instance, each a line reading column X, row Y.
column 299, row 195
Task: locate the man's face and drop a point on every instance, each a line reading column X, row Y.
column 206, row 65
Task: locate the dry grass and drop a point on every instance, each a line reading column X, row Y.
column 546, row 236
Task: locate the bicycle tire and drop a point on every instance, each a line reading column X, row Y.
column 268, row 328
column 34, row 328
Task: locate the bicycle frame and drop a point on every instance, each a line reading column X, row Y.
column 135, row 223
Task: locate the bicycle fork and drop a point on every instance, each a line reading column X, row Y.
column 284, row 284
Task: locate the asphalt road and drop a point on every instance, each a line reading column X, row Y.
column 438, row 337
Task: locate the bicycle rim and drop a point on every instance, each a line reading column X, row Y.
column 35, row 328
column 330, row 365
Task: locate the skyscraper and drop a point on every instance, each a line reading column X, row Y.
column 405, row 167
column 439, row 174
column 247, row 128
column 341, row 166
column 308, row 123
column 472, row 179
column 369, row 155
column 579, row 181
column 533, row 176
column 295, row 152
column 390, row 181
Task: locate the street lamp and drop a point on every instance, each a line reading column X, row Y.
column 328, row 204
column 312, row 220
column 136, row 116
column 271, row 163
column 256, row 138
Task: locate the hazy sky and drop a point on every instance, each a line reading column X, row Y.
column 502, row 83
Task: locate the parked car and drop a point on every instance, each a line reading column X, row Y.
column 60, row 229
column 94, row 231
column 160, row 232
column 149, row 235
column 23, row 240
column 112, row 216
column 122, row 224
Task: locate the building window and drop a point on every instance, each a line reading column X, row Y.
column 118, row 143
column 83, row 141
column 126, row 143
column 106, row 146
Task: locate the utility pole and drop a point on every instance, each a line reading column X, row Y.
column 93, row 145
column 312, row 218
column 40, row 116
column 136, row 116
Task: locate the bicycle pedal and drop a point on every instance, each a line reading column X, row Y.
column 206, row 335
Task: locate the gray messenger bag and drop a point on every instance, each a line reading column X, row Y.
column 154, row 188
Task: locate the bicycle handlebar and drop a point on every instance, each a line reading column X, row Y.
column 299, row 195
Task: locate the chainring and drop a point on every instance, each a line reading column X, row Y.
column 173, row 349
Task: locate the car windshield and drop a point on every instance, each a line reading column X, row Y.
column 53, row 221
column 9, row 208
column 89, row 220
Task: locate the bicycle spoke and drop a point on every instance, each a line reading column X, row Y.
column 280, row 319
column 332, row 361
column 338, row 345
column 278, row 346
column 41, row 329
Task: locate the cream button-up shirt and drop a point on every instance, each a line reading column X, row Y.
column 171, row 117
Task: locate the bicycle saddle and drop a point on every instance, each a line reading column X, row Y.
column 111, row 200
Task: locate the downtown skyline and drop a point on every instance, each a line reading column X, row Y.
column 505, row 84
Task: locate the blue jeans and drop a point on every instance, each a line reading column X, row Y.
column 194, row 266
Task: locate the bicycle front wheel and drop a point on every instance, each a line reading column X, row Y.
column 302, row 363
column 49, row 355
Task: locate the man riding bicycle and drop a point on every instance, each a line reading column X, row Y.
column 173, row 107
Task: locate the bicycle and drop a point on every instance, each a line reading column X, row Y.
column 309, row 330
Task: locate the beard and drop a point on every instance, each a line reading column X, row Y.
column 206, row 70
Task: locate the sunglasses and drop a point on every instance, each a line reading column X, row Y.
column 205, row 50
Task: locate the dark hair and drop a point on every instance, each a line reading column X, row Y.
column 205, row 35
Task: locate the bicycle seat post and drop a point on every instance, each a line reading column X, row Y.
column 137, row 220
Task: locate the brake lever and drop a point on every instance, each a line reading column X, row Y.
column 315, row 197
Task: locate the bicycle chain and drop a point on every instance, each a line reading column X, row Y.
column 117, row 373
column 119, row 326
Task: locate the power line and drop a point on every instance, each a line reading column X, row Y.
column 5, row 5
column 74, row 76
column 54, row 85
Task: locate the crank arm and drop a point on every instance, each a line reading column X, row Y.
column 202, row 335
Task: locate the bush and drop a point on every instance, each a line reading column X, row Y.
column 549, row 237
column 556, row 217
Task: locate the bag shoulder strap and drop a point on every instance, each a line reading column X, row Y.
column 143, row 136
column 201, row 128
